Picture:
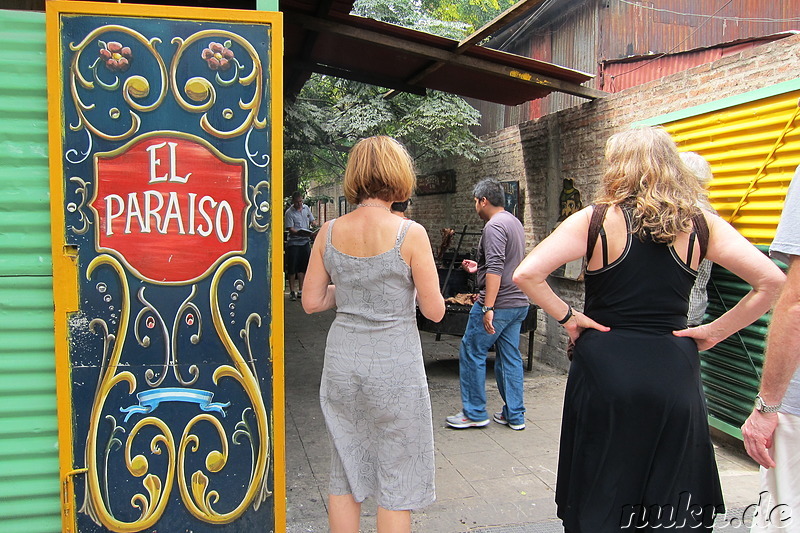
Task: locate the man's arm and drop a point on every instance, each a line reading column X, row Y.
column 494, row 246
column 288, row 221
column 783, row 342
column 782, row 357
column 492, row 288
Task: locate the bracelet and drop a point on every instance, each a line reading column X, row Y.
column 567, row 317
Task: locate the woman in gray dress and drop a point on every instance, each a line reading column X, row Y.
column 371, row 265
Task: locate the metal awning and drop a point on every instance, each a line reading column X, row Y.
column 321, row 36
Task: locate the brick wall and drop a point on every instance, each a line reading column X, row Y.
column 328, row 211
column 570, row 143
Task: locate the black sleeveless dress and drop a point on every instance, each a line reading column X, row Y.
column 635, row 449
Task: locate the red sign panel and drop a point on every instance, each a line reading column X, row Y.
column 170, row 206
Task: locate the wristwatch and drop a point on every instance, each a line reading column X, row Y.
column 764, row 408
column 486, row 309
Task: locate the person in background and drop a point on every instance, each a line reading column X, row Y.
column 298, row 220
column 772, row 431
column 635, row 451
column 698, row 299
column 374, row 392
column 495, row 318
column 400, row 208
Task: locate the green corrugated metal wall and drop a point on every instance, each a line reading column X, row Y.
column 732, row 369
column 29, row 480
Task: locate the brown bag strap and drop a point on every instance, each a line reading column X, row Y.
column 595, row 227
column 701, row 229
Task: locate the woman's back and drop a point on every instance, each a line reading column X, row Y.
column 639, row 284
column 374, row 391
column 635, row 428
column 633, row 395
column 366, row 232
column 373, row 281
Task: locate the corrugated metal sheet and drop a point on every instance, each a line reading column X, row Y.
column 24, row 208
column 579, row 34
column 618, row 75
column 572, row 44
column 753, row 149
column 752, row 143
column 563, row 41
column 29, row 483
column 638, row 27
column 731, row 371
column 541, row 48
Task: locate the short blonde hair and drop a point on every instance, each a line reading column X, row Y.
column 379, row 167
column 644, row 171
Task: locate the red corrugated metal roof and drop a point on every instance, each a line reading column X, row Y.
column 619, row 74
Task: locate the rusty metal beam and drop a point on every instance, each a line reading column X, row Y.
column 509, row 15
column 506, row 17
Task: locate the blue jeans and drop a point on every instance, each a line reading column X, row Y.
column 507, row 364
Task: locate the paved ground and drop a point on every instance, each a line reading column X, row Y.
column 488, row 480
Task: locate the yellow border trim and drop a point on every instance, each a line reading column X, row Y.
column 276, row 337
column 65, row 275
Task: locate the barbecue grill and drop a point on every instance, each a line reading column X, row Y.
column 454, row 280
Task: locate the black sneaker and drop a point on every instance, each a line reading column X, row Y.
column 292, row 296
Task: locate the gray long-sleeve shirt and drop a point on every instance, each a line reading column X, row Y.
column 500, row 251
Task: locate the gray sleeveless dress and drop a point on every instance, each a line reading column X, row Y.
column 374, row 392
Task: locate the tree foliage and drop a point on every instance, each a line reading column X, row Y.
column 473, row 13
column 331, row 114
column 412, row 14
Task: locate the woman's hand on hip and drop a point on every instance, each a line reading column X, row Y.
column 579, row 322
column 702, row 335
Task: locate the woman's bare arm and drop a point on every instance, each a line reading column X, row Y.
column 728, row 248
column 318, row 293
column 424, row 273
column 566, row 243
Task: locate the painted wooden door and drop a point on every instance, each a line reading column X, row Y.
column 165, row 165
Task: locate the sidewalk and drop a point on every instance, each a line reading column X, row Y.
column 488, row 480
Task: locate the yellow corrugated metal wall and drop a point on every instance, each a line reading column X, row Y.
column 752, row 142
column 753, row 147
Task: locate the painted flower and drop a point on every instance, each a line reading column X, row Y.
column 218, row 56
column 116, row 57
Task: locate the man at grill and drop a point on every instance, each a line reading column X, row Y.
column 496, row 318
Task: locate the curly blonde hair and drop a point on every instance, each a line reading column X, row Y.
column 645, row 172
column 379, row 167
